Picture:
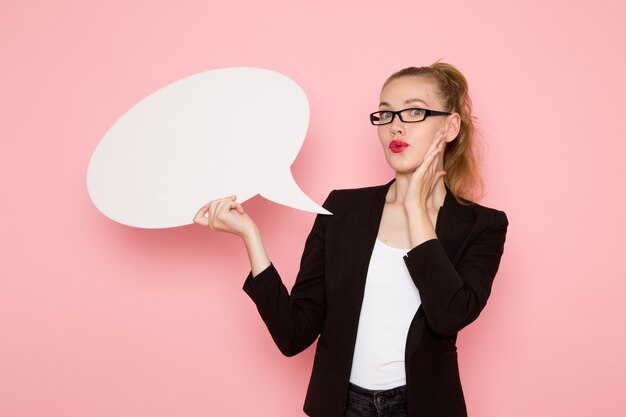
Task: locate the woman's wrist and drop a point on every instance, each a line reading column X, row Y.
column 259, row 260
column 250, row 234
column 414, row 209
column 421, row 226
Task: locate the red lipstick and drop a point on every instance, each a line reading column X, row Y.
column 397, row 146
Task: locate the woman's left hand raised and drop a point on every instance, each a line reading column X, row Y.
column 420, row 191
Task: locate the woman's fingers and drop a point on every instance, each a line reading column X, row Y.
column 435, row 147
column 209, row 214
column 226, row 215
column 220, row 211
column 433, row 172
column 200, row 217
column 429, row 164
column 428, row 173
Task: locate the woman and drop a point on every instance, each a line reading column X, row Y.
column 391, row 277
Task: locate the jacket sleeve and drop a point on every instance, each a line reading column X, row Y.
column 295, row 320
column 453, row 296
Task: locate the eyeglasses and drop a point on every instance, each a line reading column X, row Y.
column 413, row 115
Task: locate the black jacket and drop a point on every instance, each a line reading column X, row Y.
column 453, row 274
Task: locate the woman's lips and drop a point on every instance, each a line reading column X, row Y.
column 397, row 146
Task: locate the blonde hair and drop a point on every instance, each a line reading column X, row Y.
column 459, row 159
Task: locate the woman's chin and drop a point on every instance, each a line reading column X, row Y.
column 404, row 162
column 402, row 168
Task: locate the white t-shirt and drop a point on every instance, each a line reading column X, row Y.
column 390, row 301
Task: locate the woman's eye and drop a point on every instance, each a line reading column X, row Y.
column 417, row 112
column 385, row 115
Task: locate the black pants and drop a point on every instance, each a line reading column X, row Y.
column 368, row 403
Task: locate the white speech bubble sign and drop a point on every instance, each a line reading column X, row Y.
column 207, row 136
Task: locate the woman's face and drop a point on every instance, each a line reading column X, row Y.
column 406, row 144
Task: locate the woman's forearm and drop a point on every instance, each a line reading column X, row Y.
column 421, row 226
column 257, row 254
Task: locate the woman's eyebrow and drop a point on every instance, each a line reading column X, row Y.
column 415, row 100
column 409, row 101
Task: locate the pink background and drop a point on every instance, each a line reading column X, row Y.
column 99, row 319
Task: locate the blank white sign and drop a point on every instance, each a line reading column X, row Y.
column 207, row 136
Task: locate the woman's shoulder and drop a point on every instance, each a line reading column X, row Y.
column 479, row 211
column 360, row 198
column 351, row 196
column 362, row 192
column 355, row 201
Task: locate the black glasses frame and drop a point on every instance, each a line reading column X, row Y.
column 374, row 117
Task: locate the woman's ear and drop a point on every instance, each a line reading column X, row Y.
column 453, row 126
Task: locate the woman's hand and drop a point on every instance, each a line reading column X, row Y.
column 419, row 203
column 419, row 195
column 225, row 215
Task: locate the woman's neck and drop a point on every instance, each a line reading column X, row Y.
column 397, row 191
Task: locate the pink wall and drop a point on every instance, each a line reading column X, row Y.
column 98, row 319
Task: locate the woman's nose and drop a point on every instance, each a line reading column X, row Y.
column 396, row 126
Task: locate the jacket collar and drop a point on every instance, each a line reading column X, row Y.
column 454, row 220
